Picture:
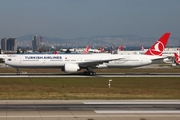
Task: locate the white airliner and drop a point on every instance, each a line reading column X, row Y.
column 152, row 55
column 71, row 63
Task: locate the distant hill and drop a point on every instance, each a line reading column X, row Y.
column 111, row 40
column 29, row 38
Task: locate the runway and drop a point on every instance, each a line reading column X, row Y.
column 90, row 109
column 98, row 75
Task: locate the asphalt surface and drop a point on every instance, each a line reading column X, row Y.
column 98, row 75
column 90, row 109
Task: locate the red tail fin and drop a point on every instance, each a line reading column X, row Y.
column 177, row 58
column 158, row 47
column 142, row 47
column 85, row 51
column 102, row 50
column 55, row 52
column 120, row 48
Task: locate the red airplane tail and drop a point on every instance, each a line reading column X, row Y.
column 55, row 52
column 102, row 50
column 177, row 59
column 158, row 47
column 120, row 48
column 85, row 51
column 142, row 47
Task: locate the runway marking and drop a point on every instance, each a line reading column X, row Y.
column 132, row 111
column 140, row 102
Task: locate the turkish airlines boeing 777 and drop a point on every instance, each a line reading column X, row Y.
column 69, row 63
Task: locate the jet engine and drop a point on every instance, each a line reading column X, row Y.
column 71, row 68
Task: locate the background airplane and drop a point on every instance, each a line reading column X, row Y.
column 69, row 51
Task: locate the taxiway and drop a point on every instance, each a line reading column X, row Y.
column 98, row 75
column 90, row 109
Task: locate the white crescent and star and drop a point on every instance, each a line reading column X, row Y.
column 157, row 49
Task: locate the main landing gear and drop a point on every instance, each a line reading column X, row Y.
column 89, row 72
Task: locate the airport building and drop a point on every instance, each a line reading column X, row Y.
column 4, row 44
column 9, row 44
column 35, row 43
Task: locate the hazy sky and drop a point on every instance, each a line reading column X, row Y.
column 87, row 18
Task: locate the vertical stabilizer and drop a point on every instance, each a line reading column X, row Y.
column 120, row 48
column 177, row 59
column 102, row 50
column 158, row 47
column 85, row 51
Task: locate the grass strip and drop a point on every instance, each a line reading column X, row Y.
column 89, row 88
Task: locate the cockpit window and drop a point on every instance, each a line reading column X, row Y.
column 9, row 60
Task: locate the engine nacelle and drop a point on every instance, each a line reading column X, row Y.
column 71, row 68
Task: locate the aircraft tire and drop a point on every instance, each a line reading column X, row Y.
column 91, row 73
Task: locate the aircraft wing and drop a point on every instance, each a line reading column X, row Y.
column 95, row 63
column 158, row 58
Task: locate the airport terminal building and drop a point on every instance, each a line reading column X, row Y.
column 9, row 44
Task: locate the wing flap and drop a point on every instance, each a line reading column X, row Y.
column 94, row 63
column 158, row 59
